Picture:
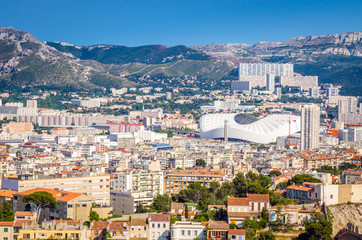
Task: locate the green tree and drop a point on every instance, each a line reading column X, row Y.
column 6, row 212
column 317, row 228
column 200, row 162
column 268, row 235
column 233, row 226
column 174, row 219
column 240, row 184
column 40, row 200
column 186, row 212
column 108, row 235
column 301, row 178
column 274, row 174
column 250, row 234
column 140, row 208
column 221, row 215
column 346, row 166
column 264, row 214
column 93, row 216
column 162, row 203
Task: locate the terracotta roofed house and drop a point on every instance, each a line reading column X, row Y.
column 239, row 234
column 238, row 210
column 217, row 230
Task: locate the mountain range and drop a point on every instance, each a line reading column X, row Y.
column 26, row 61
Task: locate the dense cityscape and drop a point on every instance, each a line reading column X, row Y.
column 180, row 120
column 266, row 158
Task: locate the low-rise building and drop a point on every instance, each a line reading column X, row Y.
column 217, row 230
column 188, row 230
column 159, row 225
column 70, row 205
column 325, row 193
column 6, row 230
column 350, row 176
column 251, row 207
column 239, row 234
column 138, row 229
column 54, row 229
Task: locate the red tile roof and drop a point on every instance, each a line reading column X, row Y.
column 58, row 195
column 23, row 213
column 258, row 197
column 20, row 222
column 238, row 201
column 218, row 225
column 117, row 226
column 237, row 232
column 6, row 223
column 159, row 217
column 99, row 225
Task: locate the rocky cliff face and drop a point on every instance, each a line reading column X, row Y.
column 297, row 48
column 346, row 216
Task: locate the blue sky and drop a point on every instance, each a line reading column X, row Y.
column 175, row 22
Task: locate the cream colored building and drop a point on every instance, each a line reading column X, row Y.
column 54, row 230
column 6, row 230
column 138, row 229
column 18, row 127
column 70, row 205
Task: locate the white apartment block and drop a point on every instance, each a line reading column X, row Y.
column 139, row 181
column 262, row 69
column 310, row 123
column 188, row 231
column 88, row 103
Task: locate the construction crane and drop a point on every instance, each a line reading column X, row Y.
column 290, row 122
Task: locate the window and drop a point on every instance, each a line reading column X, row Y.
column 182, row 232
column 158, row 225
column 331, row 196
column 195, row 233
column 6, row 229
column 164, row 225
column 153, row 225
column 189, row 233
column 84, row 205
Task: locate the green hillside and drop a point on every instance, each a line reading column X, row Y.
column 150, row 54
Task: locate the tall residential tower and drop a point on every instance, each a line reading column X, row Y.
column 310, row 123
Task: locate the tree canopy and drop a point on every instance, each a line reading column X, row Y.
column 200, row 163
column 162, row 203
column 301, row 178
column 318, row 228
column 40, row 200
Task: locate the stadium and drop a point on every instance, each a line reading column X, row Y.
column 248, row 128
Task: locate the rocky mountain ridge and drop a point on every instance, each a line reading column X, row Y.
column 26, row 61
column 295, row 49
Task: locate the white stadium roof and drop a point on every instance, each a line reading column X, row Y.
column 247, row 128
